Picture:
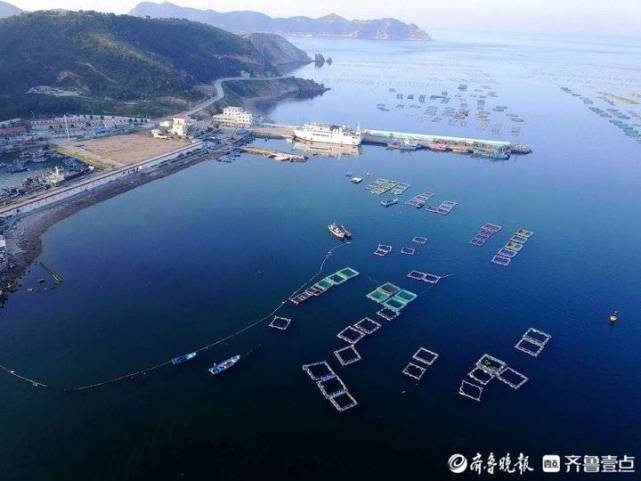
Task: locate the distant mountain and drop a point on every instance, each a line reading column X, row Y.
column 7, row 10
column 249, row 22
column 63, row 58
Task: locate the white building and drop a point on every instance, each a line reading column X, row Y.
column 234, row 117
column 180, row 126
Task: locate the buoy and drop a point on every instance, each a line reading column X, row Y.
column 614, row 317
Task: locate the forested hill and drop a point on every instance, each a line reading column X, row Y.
column 63, row 57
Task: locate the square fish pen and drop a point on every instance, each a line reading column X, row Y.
column 410, row 251
column 490, row 364
column 501, row 260
column 347, row 355
column 417, row 275
column 533, row 342
column 280, row 323
column 512, row 378
column 319, row 371
column 425, row 356
column 420, row 200
column 481, row 376
column 367, row 326
column 431, row 278
column 394, row 304
column 494, row 228
column 390, row 288
column 350, row 335
column 414, row 371
column 331, row 387
column 445, row 208
column 378, row 295
column 469, row 390
column 388, row 314
column 419, row 240
column 343, row 402
column 405, row 296
column 507, row 253
column 348, row 273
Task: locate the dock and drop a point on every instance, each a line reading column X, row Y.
column 495, row 149
column 273, row 154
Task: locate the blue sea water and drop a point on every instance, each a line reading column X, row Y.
column 180, row 262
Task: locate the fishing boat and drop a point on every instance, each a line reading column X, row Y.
column 220, row 367
column 339, row 231
column 356, row 180
column 183, row 359
column 389, row 202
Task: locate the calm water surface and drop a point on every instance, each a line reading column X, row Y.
column 185, row 260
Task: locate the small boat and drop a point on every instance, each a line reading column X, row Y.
column 220, row 367
column 340, row 232
column 389, row 202
column 614, row 317
column 183, row 359
column 356, row 180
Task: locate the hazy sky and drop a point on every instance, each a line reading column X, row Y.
column 564, row 16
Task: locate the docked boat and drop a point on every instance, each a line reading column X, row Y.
column 220, row 367
column 330, row 134
column 339, row 231
column 183, row 359
column 389, row 202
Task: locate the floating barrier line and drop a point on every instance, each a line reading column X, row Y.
column 33, row 382
column 218, row 341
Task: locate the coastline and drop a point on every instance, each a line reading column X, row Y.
column 24, row 233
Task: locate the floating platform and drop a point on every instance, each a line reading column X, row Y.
column 480, row 375
column 512, row 378
column 484, row 234
column 319, row 371
column 343, row 402
column 420, row 200
column 501, row 260
column 325, row 284
column 417, row 275
column 445, row 207
column 425, row 356
column 469, row 390
column 382, row 250
column 388, row 314
column 419, row 240
column 347, row 355
column 414, row 371
column 533, row 342
column 367, row 326
column 490, row 364
column 280, row 323
column 331, row 387
column 350, row 335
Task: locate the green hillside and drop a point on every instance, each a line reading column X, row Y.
column 88, row 60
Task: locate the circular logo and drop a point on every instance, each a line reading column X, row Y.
column 457, row 463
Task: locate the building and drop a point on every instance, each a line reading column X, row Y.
column 234, row 117
column 180, row 126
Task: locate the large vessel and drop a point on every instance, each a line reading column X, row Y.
column 339, row 231
column 220, row 367
column 328, row 134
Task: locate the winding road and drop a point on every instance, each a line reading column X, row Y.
column 220, row 92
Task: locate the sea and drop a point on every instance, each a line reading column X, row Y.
column 202, row 255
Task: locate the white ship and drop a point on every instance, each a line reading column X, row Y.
column 329, row 134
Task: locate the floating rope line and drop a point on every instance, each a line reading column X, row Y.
column 33, row 382
column 218, row 341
